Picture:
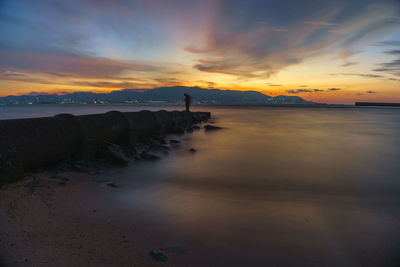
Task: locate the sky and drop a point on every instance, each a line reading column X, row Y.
column 325, row 51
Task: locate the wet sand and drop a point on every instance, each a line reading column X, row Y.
column 76, row 223
column 73, row 219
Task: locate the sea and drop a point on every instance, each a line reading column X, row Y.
column 277, row 186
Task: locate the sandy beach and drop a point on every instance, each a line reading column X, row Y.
column 68, row 219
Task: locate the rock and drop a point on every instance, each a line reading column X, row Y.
column 148, row 140
column 196, row 127
column 192, row 150
column 140, row 147
column 62, row 183
column 158, row 255
column 159, row 148
column 77, row 166
column 211, row 128
column 112, row 184
column 177, row 130
column 148, row 156
column 114, row 154
column 189, row 130
column 32, row 185
column 172, row 141
column 162, row 141
column 11, row 168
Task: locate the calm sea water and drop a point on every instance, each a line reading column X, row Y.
column 276, row 187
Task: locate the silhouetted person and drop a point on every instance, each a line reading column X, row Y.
column 188, row 100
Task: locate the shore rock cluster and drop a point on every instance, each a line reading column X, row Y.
column 115, row 137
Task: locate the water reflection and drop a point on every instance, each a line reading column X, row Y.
column 280, row 187
column 275, row 187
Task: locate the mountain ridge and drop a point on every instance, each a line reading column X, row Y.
column 172, row 94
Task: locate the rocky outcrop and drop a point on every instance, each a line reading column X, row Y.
column 211, row 128
column 30, row 143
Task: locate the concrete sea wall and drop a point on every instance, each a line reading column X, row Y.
column 30, row 143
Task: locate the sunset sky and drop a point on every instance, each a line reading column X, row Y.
column 326, row 51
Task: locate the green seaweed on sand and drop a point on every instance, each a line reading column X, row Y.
column 158, row 255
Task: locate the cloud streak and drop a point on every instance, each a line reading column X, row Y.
column 299, row 91
column 235, row 44
column 259, row 52
column 364, row 75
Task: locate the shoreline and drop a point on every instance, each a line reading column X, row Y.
column 67, row 215
column 49, row 224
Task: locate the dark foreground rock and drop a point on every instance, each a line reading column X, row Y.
column 148, row 156
column 211, row 128
column 116, row 154
column 28, row 144
column 156, row 148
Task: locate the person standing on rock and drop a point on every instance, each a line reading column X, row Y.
column 188, row 100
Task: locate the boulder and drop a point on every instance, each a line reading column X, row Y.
column 148, row 156
column 114, row 154
column 211, row 128
column 162, row 149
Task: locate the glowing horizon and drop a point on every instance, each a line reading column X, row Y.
column 336, row 52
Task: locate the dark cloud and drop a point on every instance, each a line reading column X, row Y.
column 210, row 84
column 272, row 84
column 371, row 92
column 371, row 76
column 359, row 74
column 347, row 64
column 392, row 64
column 167, row 81
column 298, row 91
column 393, row 52
column 388, row 43
column 392, row 67
column 105, row 84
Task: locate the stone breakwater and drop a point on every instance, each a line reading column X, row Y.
column 31, row 143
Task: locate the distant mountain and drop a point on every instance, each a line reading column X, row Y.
column 163, row 94
column 286, row 99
